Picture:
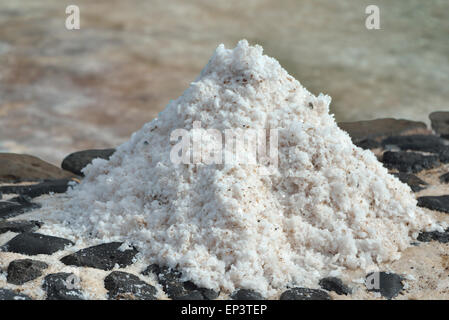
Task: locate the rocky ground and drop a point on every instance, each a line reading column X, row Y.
column 36, row 263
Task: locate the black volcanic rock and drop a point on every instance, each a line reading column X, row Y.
column 368, row 144
column 335, row 284
column 444, row 155
column 24, row 270
column 76, row 161
column 438, row 203
column 246, row 294
column 21, row 167
column 35, row 243
column 7, row 294
column 444, row 178
column 442, row 237
column 388, row 284
column 104, row 256
column 62, row 286
column 122, row 285
column 16, row 206
column 415, row 183
column 304, row 294
column 409, row 161
column 36, row 190
column 170, row 280
column 440, row 123
column 19, row 226
column 425, row 143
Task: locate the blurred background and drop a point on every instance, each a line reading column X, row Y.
column 63, row 91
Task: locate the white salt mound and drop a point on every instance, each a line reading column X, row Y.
column 328, row 206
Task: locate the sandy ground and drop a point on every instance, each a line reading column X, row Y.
column 425, row 265
column 63, row 91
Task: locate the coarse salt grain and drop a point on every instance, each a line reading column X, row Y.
column 329, row 205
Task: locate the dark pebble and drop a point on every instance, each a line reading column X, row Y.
column 415, row 183
column 16, row 206
column 190, row 295
column 444, row 178
column 36, row 190
column 76, row 161
column 444, row 155
column 126, row 286
column 371, row 129
column 19, row 226
column 193, row 289
column 409, row 161
column 62, row 286
column 368, row 144
column 305, row 294
column 440, row 123
column 438, row 203
column 7, row 294
column 246, row 294
column 334, row 284
column 442, row 237
column 35, row 243
column 24, row 270
column 170, row 280
column 104, row 256
column 425, row 143
column 25, row 168
column 388, row 284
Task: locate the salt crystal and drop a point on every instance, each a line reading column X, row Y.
column 327, row 206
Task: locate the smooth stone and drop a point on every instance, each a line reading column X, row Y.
column 415, row 183
column 176, row 289
column 390, row 284
column 368, row 144
column 409, row 161
column 246, row 294
column 22, row 167
column 193, row 289
column 7, row 294
column 35, row 243
column 104, row 256
column 305, row 294
column 122, row 285
column 424, row 143
column 438, row 203
column 16, row 206
column 442, row 237
column 191, row 295
column 335, row 284
column 36, row 190
column 59, row 286
column 444, row 178
column 19, row 226
column 24, row 270
column 76, row 161
column 440, row 123
column 444, row 155
column 370, row 129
